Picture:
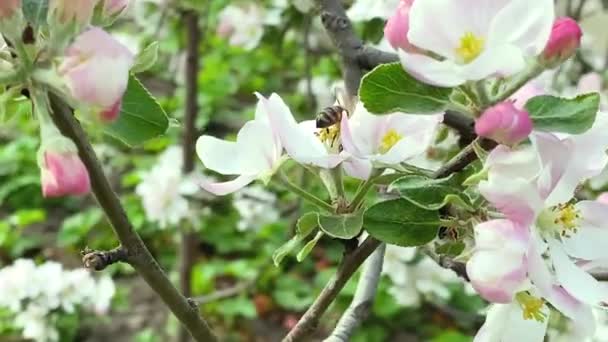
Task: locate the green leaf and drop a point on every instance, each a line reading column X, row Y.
column 26, row 217
column 388, row 89
column 555, row 114
column 452, row 248
column 75, row 228
column 430, row 194
column 399, row 222
column 146, row 58
column 141, row 118
column 307, row 223
column 346, row 226
column 35, row 11
column 308, row 247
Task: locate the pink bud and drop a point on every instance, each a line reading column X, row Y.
column 114, row 7
column 398, row 25
column 9, row 7
column 63, row 173
column 96, row 70
column 564, row 40
column 504, row 123
column 79, row 11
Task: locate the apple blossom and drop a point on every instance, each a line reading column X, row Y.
column 243, row 26
column 397, row 27
column 66, row 11
column 474, row 41
column 375, row 140
column 504, row 123
column 564, row 40
column 9, row 7
column 96, row 71
column 301, row 140
column 364, row 10
column 256, row 154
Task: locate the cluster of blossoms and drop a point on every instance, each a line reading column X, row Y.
column 88, row 67
column 256, row 207
column 533, row 244
column 37, row 294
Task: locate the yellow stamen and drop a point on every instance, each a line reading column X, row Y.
column 329, row 135
column 531, row 306
column 390, row 139
column 562, row 218
column 470, row 47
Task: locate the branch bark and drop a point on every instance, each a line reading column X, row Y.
column 363, row 299
column 187, row 250
column 137, row 254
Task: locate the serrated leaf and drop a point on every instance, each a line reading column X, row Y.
column 308, row 247
column 141, row 117
column 346, row 226
column 430, row 194
column 35, row 11
column 146, row 58
column 402, row 223
column 388, row 89
column 307, row 223
column 555, row 114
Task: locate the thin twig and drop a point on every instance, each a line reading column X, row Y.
column 99, row 260
column 364, row 297
column 138, row 254
column 224, row 293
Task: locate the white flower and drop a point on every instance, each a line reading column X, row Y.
column 475, row 40
column 164, row 187
column 364, row 10
column 103, row 295
column 256, row 206
column 243, row 25
column 35, row 324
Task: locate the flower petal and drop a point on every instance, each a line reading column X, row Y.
column 505, row 322
column 431, row 71
column 219, row 155
column 358, row 168
column 580, row 314
column 502, row 60
column 224, row 188
column 516, row 198
column 589, row 241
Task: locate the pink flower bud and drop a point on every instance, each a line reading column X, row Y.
column 504, row 123
column 9, row 7
column 398, row 25
column 63, row 173
column 564, row 40
column 66, row 11
column 96, row 70
column 114, row 7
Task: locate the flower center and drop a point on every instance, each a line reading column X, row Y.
column 562, row 218
column 470, row 47
column 329, row 136
column 531, row 306
column 390, row 139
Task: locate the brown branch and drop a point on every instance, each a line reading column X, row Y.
column 99, row 260
column 138, row 254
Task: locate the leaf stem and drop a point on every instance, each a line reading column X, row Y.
column 307, row 196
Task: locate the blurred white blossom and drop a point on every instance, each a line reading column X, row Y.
column 34, row 294
column 322, row 88
column 416, row 278
column 163, row 189
column 256, row 206
column 364, row 10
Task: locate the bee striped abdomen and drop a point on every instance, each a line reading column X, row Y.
column 329, row 116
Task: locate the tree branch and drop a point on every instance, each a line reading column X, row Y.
column 99, row 260
column 138, row 254
column 364, row 298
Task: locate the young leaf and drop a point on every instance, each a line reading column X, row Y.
column 452, row 249
column 307, row 223
column 146, row 58
column 388, row 89
column 308, row 247
column 345, row 226
column 555, row 114
column 35, row 11
column 281, row 252
column 430, row 194
column 399, row 222
column 141, row 117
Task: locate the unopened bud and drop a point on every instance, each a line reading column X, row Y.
column 504, row 123
column 398, row 26
column 565, row 38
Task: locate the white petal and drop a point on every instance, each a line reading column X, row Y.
column 505, row 323
column 363, row 133
column 516, row 198
column 221, row 189
column 554, row 155
column 502, row 60
column 256, row 144
column 431, row 71
column 580, row 314
column 219, row 155
column 538, row 270
column 534, row 22
column 357, row 168
column 577, row 282
column 589, row 241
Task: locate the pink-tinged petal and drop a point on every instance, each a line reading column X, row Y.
column 357, row 168
column 364, row 131
column 505, row 323
column 64, row 174
column 534, row 23
column 225, row 188
column 580, row 313
column 398, row 25
column 603, row 198
column 112, row 113
column 589, row 240
column 492, row 235
column 219, row 155
column 522, row 162
column 525, row 93
column 516, row 198
column 538, row 270
column 431, row 71
column 504, row 123
column 554, row 155
column 576, row 281
column 496, row 275
column 347, row 138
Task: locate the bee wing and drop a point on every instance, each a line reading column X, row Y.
column 346, row 101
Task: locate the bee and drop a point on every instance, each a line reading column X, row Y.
column 330, row 116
